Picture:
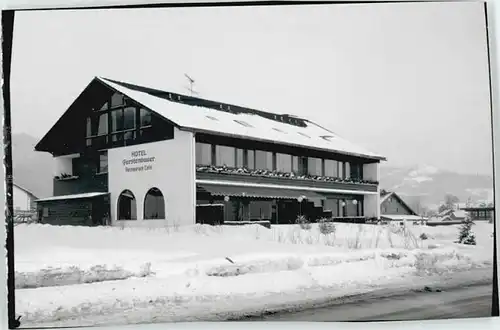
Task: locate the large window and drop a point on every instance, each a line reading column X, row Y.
column 303, row 165
column 283, row 163
column 127, row 206
column 203, row 154
column 154, row 204
column 331, row 168
column 352, row 208
column 225, row 156
column 145, row 117
column 340, row 169
column 263, row 160
column 315, row 166
column 356, row 171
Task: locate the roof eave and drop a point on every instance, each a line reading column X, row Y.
column 197, row 130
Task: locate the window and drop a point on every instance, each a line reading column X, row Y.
column 127, row 208
column 263, row 160
column 283, row 163
column 327, row 137
column 105, row 106
column 341, row 170
column 117, row 120
column 330, row 168
column 295, row 164
column 103, row 162
column 225, row 156
column 145, row 116
column 352, row 208
column 250, row 159
column 315, row 166
column 244, row 123
column 213, row 118
column 117, row 100
column 239, row 158
column 357, row 171
column 278, row 130
column 154, row 204
column 45, row 212
column 203, row 154
column 128, row 118
column 303, row 165
column 347, row 170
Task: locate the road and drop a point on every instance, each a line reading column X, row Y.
column 465, row 302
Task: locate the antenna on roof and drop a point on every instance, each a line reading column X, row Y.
column 191, row 83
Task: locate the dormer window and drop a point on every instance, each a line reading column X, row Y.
column 213, row 118
column 243, row 123
column 278, row 130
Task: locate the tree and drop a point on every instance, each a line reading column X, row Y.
column 450, row 201
column 442, row 208
column 466, row 236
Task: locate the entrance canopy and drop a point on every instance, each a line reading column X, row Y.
column 75, row 196
column 258, row 192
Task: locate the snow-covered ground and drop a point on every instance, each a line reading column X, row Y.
column 70, row 275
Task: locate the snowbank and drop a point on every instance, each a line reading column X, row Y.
column 184, row 268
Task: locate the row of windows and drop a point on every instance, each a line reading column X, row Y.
column 154, row 205
column 218, row 155
column 119, row 123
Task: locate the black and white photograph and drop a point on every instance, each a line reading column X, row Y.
column 252, row 163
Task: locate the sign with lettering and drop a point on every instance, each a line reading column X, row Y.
column 138, row 162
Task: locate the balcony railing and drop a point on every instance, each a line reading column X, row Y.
column 276, row 174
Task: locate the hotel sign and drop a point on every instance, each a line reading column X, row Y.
column 138, row 162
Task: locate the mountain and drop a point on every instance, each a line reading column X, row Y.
column 31, row 169
column 428, row 185
column 419, row 185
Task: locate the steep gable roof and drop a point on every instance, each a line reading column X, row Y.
column 205, row 116
column 392, row 194
column 24, row 189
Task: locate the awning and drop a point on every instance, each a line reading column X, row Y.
column 257, row 192
column 75, row 196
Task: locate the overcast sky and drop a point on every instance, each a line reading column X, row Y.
column 408, row 81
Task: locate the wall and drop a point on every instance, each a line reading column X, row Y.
column 372, row 206
column 63, row 164
column 170, row 168
column 22, row 200
column 393, row 206
column 371, row 172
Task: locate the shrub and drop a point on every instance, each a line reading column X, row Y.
column 326, row 227
column 424, row 236
column 466, row 236
column 303, row 222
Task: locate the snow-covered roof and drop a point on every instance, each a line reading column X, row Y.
column 402, row 217
column 24, row 189
column 75, row 196
column 243, row 125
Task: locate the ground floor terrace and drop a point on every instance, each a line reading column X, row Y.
column 215, row 203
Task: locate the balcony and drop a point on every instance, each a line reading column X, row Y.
column 70, row 185
column 204, row 172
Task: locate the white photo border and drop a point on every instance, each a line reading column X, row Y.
column 493, row 19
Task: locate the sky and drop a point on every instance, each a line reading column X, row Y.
column 408, row 81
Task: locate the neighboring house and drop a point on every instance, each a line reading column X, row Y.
column 23, row 199
column 452, row 215
column 394, row 208
column 137, row 156
column 483, row 213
